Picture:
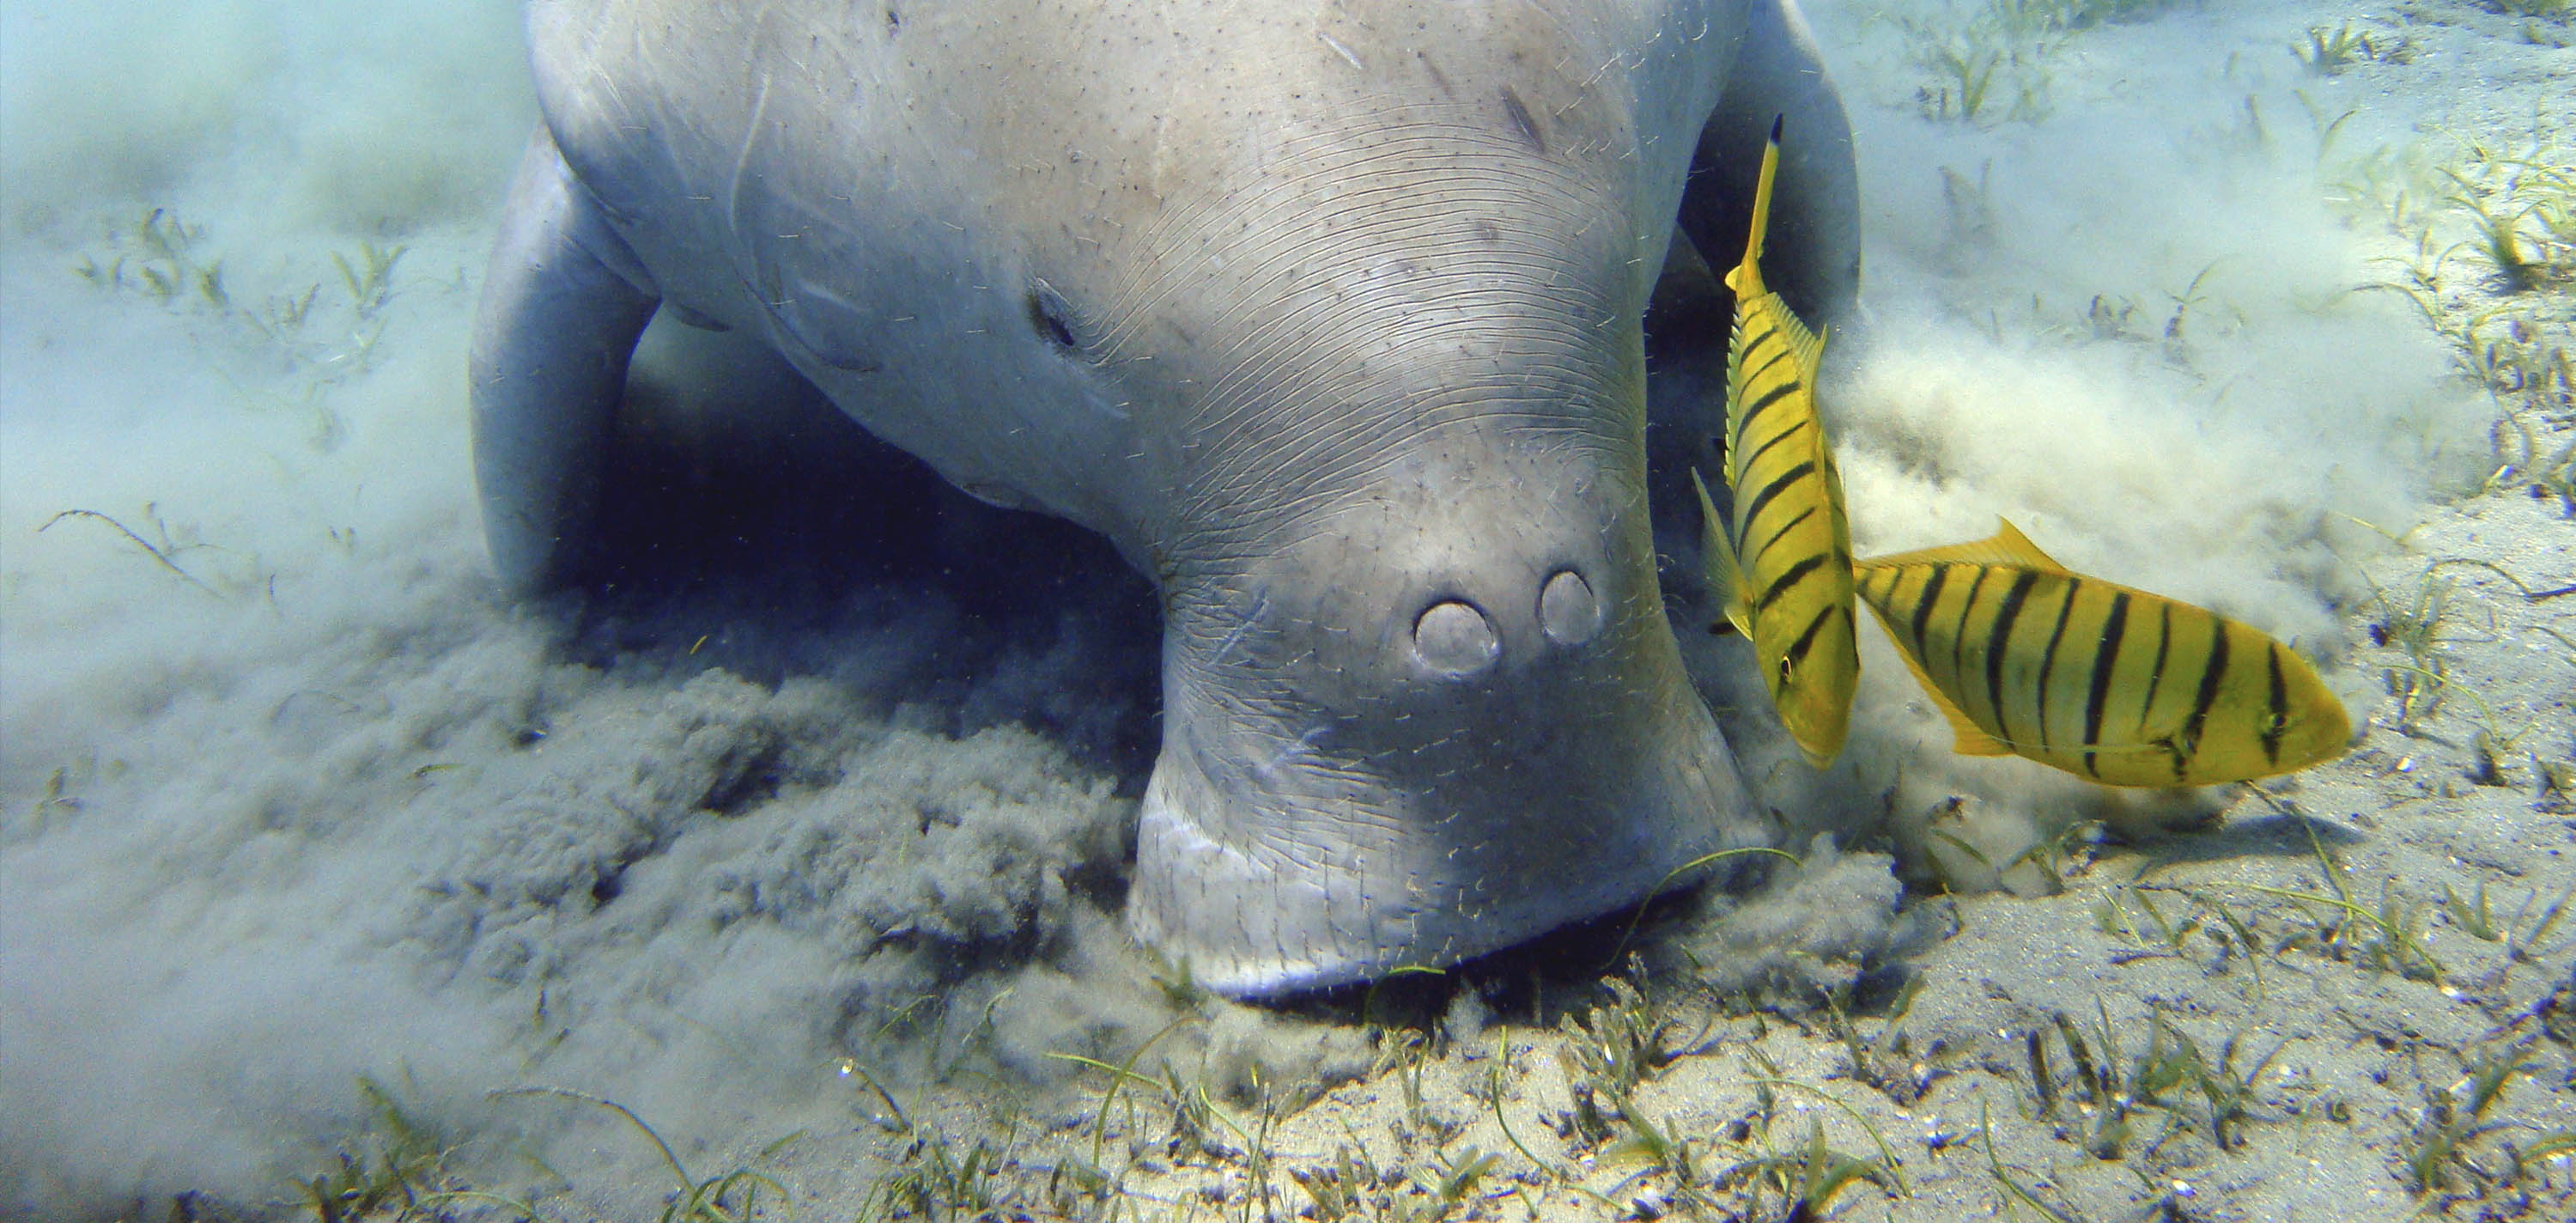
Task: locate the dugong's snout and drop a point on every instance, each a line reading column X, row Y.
column 1327, row 318
column 1446, row 718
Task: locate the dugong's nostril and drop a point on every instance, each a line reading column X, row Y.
column 1454, row 638
column 1568, row 612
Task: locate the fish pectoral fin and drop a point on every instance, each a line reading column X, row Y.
column 1969, row 739
column 1718, row 558
column 2007, row 546
column 1707, row 505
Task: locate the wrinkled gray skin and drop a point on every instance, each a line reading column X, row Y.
column 1326, row 313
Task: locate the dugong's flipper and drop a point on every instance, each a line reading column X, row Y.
column 562, row 307
column 1812, row 256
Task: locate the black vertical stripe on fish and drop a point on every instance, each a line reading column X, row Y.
column 1765, row 448
column 2280, row 703
column 1744, row 422
column 1923, row 606
column 2207, row 696
column 2106, row 655
column 2048, row 661
column 1797, row 651
column 1749, row 375
column 1753, row 510
column 1959, row 633
column 1792, row 577
column 1870, row 587
column 2001, row 639
column 1885, row 586
column 1754, row 558
column 1748, row 364
column 2156, row 673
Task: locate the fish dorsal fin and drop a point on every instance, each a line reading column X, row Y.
column 1970, row 738
column 1807, row 343
column 2007, row 546
column 1720, row 559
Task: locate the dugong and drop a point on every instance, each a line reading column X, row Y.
column 1326, row 312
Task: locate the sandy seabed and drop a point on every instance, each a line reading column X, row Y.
column 782, row 873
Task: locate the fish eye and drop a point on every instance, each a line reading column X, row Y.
column 1785, row 668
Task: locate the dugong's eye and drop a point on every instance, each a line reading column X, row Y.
column 1052, row 316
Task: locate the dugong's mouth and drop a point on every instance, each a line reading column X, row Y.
column 1288, row 846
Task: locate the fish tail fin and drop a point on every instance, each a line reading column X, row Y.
column 1719, row 557
column 1746, row 279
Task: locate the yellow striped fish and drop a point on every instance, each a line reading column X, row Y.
column 2108, row 683
column 1784, row 560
